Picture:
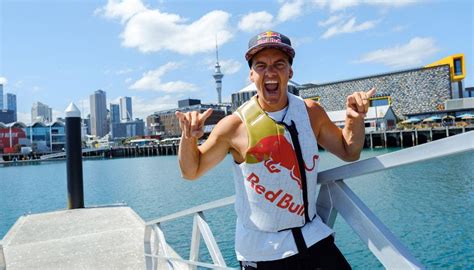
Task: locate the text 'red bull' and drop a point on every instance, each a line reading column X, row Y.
column 276, row 150
column 284, row 201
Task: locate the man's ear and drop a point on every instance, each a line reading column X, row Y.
column 291, row 73
column 251, row 75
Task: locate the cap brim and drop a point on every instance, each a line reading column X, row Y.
column 257, row 48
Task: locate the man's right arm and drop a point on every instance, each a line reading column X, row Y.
column 195, row 160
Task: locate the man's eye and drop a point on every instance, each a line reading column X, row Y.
column 280, row 65
column 259, row 66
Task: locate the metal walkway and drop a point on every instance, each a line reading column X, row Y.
column 335, row 197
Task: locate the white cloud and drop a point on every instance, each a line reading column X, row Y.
column 123, row 10
column 3, row 80
column 230, row 66
column 290, row 10
column 256, row 21
column 413, row 53
column 153, row 31
column 124, row 71
column 151, row 80
column 36, row 89
column 337, row 5
column 347, row 27
column 399, row 28
column 331, row 20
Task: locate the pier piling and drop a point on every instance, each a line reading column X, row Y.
column 75, row 187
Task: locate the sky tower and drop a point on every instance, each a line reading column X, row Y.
column 218, row 77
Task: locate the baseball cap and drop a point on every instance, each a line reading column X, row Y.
column 269, row 39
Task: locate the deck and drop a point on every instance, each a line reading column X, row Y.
column 90, row 238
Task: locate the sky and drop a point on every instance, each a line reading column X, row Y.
column 162, row 51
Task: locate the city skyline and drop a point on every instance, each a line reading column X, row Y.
column 333, row 40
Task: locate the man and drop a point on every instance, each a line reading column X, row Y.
column 273, row 140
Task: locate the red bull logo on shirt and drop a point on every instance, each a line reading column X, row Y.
column 276, row 153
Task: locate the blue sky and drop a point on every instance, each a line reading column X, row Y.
column 158, row 52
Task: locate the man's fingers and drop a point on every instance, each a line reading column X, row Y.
column 371, row 92
column 206, row 114
column 359, row 102
column 179, row 114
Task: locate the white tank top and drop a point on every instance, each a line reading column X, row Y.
column 269, row 186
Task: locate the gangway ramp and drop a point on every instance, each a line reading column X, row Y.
column 89, row 238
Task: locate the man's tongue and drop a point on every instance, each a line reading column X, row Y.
column 271, row 86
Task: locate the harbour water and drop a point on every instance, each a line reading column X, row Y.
column 428, row 206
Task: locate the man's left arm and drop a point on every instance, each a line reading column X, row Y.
column 346, row 143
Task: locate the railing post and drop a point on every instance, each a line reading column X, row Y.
column 325, row 206
column 149, row 261
column 195, row 241
column 163, row 245
column 211, row 243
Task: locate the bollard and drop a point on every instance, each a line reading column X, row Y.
column 75, row 187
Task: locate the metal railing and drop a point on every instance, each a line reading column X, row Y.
column 334, row 197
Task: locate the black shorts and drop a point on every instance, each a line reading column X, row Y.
column 322, row 255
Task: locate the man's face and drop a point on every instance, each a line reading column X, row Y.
column 270, row 72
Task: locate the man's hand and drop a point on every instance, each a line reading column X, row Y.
column 357, row 104
column 192, row 123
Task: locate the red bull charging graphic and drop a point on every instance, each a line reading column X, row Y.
column 275, row 151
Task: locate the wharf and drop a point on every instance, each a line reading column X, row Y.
column 88, row 238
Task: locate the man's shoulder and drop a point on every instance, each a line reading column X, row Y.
column 313, row 107
column 228, row 125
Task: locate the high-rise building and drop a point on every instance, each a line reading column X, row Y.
column 98, row 106
column 218, row 77
column 10, row 101
column 41, row 113
column 1, row 96
column 114, row 113
column 126, row 109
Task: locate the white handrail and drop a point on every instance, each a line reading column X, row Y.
column 448, row 146
column 335, row 196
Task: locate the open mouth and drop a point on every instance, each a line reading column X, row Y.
column 271, row 86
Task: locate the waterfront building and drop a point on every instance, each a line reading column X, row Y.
column 7, row 116
column 49, row 137
column 469, row 91
column 165, row 123
column 418, row 90
column 10, row 135
column 128, row 129
column 153, row 125
column 126, row 109
column 377, row 118
column 41, row 112
column 98, row 116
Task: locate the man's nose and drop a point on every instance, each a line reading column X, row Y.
column 270, row 70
